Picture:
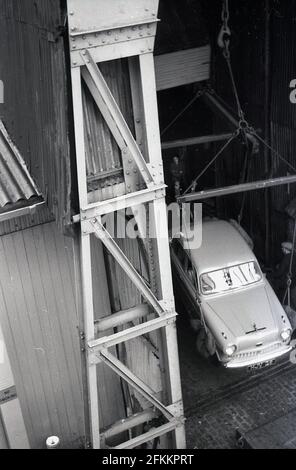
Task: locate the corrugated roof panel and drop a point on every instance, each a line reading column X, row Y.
column 16, row 183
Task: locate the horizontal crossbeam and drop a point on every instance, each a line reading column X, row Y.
column 121, row 318
column 143, row 328
column 240, row 188
column 150, row 435
column 129, row 423
column 204, row 139
column 120, row 203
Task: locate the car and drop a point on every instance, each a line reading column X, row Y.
column 232, row 306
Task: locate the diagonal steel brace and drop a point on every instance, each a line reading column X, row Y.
column 101, row 233
column 134, row 381
column 113, row 116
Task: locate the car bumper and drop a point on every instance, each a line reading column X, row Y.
column 241, row 360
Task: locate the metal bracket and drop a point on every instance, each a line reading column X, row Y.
column 111, row 30
column 137, row 38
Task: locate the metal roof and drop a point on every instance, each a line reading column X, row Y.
column 222, row 246
column 16, row 183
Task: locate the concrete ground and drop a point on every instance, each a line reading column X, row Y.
column 219, row 401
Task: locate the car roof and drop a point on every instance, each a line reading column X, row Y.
column 222, row 246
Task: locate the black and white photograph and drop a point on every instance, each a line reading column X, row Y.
column 147, row 228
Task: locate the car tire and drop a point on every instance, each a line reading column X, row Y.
column 205, row 344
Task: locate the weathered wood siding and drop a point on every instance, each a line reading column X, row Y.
column 33, row 70
column 39, row 317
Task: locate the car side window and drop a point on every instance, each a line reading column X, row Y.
column 185, row 262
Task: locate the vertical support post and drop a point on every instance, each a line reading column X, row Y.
column 158, row 221
column 85, row 249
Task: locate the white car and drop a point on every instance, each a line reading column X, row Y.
column 235, row 311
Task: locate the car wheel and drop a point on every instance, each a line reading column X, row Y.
column 205, row 344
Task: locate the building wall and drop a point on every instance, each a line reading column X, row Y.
column 39, row 317
column 33, row 70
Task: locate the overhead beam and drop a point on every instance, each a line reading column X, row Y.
column 182, row 67
column 205, row 139
column 240, row 188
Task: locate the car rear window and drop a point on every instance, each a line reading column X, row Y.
column 230, row 278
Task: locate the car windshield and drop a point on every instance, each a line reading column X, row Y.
column 230, row 278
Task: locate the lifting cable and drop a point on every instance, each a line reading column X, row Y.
column 180, row 114
column 290, row 273
column 244, row 128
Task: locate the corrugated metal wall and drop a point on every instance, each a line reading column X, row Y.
column 40, row 321
column 32, row 67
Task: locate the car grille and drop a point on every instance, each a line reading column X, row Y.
column 255, row 353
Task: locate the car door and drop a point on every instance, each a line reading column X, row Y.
column 185, row 278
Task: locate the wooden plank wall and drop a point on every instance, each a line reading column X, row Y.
column 39, row 317
column 32, row 67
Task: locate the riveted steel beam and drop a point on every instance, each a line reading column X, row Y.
column 135, row 382
column 117, row 119
column 122, row 202
column 101, row 233
column 130, row 333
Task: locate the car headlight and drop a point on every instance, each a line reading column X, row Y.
column 286, row 335
column 230, row 350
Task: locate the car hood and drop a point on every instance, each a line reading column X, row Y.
column 245, row 311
